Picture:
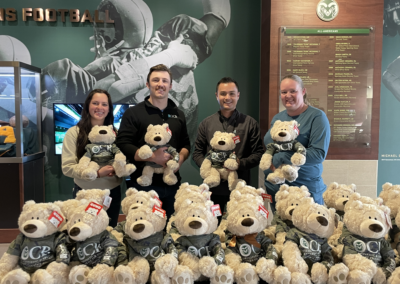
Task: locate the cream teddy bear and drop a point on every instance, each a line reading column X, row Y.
column 284, row 134
column 158, row 136
column 306, row 252
column 101, row 152
column 366, row 253
column 198, row 248
column 149, row 249
column 221, row 161
column 386, row 188
column 249, row 252
column 96, row 249
column 38, row 255
column 287, row 199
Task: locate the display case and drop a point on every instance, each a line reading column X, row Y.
column 22, row 157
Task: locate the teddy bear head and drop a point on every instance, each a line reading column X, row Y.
column 143, row 222
column 192, row 196
column 393, row 202
column 386, row 188
column 67, row 207
column 337, row 195
column 102, row 134
column 288, row 198
column 87, row 220
column 194, row 188
column 367, row 220
column 223, row 141
column 237, row 198
column 246, row 189
column 196, row 219
column 284, row 131
column 38, row 220
column 135, row 198
column 314, row 218
column 246, row 219
column 100, row 196
column 158, row 134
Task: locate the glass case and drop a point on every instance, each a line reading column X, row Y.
column 20, row 112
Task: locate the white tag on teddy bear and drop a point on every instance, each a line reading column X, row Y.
column 169, row 131
column 93, row 208
column 263, row 211
column 56, row 219
column 158, row 211
column 388, row 220
column 296, row 129
column 107, row 201
column 158, row 199
column 267, row 197
column 236, row 139
column 216, row 210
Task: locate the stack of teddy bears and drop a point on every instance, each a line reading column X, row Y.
column 353, row 239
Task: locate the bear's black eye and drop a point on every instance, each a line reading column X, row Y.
column 33, row 218
column 37, row 218
column 141, row 218
column 66, row 220
column 194, row 215
column 135, row 219
column 375, row 218
column 243, row 215
column 248, row 215
column 342, row 195
column 297, row 204
column 370, row 217
column 141, row 202
column 137, row 201
column 198, row 216
column 319, row 212
column 79, row 220
column 292, row 204
column 323, row 214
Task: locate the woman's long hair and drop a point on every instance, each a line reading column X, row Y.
column 85, row 124
column 300, row 82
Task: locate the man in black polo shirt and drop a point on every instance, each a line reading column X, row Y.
column 249, row 148
column 155, row 109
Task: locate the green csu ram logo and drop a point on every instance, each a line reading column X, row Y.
column 327, row 10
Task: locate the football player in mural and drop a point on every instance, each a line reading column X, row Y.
column 127, row 49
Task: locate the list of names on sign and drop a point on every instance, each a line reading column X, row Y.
column 336, row 66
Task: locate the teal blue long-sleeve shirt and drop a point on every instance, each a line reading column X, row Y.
column 315, row 136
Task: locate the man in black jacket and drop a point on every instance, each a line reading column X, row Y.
column 155, row 109
column 249, row 147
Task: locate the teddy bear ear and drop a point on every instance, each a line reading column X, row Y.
column 209, row 203
column 307, row 200
column 106, row 192
column 217, row 133
column 240, row 184
column 149, row 127
column 334, row 185
column 131, row 191
column 260, row 191
column 393, row 194
column 165, row 125
column 358, row 204
column 153, row 194
column 304, row 188
column 111, row 127
column 378, row 201
column 236, row 195
column 232, row 135
column 28, row 204
column 207, row 195
column 353, row 187
column 280, row 195
column 355, row 196
column 277, row 122
column 387, row 186
column 385, row 209
column 284, row 187
column 204, row 187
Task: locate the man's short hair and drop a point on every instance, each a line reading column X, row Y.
column 159, row 67
column 226, row 80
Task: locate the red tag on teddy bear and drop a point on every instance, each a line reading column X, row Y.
column 56, row 219
column 263, row 211
column 169, row 131
column 158, row 211
column 236, row 139
column 296, row 129
column 267, row 197
column 216, row 210
column 158, row 199
column 93, row 208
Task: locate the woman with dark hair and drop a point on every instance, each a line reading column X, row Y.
column 314, row 135
column 97, row 110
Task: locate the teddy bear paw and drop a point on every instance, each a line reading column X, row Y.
column 224, row 275
column 184, row 277
column 212, row 181
column 16, row 279
column 120, row 279
column 246, row 274
column 144, row 181
column 123, row 275
column 289, row 173
column 282, row 279
column 89, row 175
column 170, row 179
column 80, row 276
column 130, row 168
column 274, row 179
column 340, row 279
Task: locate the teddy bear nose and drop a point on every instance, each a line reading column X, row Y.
column 103, row 132
column 74, row 232
column 139, row 228
column 30, row 228
column 344, row 202
column 282, row 134
column 291, row 212
column 195, row 225
column 134, row 207
column 222, row 143
column 322, row 221
column 157, row 138
column 248, row 222
column 375, row 228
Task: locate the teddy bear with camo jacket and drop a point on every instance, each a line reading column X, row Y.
column 306, row 252
column 101, row 152
column 158, row 136
column 284, row 134
column 39, row 254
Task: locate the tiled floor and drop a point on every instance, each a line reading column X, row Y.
column 3, row 249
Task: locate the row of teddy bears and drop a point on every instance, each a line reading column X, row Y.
column 220, row 162
column 69, row 241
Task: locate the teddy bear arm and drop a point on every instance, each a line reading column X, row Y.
column 319, row 273
column 191, row 261
column 231, row 164
column 145, row 152
column 292, row 258
column 101, row 273
column 7, row 263
column 358, row 262
column 166, row 265
column 233, row 260
column 298, row 159
column 266, row 161
column 205, row 168
column 118, row 235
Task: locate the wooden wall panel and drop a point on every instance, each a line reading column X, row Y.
column 355, row 13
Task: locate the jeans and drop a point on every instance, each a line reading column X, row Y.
column 113, row 211
column 166, row 194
